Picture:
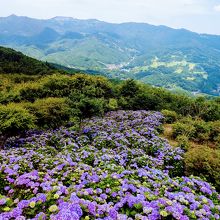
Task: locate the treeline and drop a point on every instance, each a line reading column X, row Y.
column 54, row 100
column 12, row 62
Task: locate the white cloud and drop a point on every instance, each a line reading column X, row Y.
column 217, row 8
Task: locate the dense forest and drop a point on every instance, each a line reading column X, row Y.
column 47, row 114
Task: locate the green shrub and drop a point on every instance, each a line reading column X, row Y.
column 202, row 131
column 14, row 119
column 198, row 130
column 123, row 103
column 57, row 85
column 215, row 131
column 129, row 88
column 112, row 104
column 89, row 107
column 204, row 162
column 160, row 129
column 183, row 142
column 50, row 112
column 84, row 106
column 180, row 128
column 145, row 100
column 170, row 116
column 211, row 111
column 30, row 91
column 74, row 123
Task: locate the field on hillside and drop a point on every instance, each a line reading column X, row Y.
column 115, row 167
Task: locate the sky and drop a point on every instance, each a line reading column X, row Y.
column 202, row 16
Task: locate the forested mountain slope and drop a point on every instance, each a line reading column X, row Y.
column 159, row 55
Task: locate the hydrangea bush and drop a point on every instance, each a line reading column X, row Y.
column 116, row 167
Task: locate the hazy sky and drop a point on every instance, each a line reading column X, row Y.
column 198, row 15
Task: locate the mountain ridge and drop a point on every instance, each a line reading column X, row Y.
column 69, row 18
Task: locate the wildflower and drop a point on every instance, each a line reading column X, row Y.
column 32, row 204
column 53, row 208
column 6, row 209
column 56, row 196
column 21, row 217
column 2, row 201
column 163, row 213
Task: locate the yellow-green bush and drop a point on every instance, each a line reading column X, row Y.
column 215, row 132
column 181, row 128
column 30, row 91
column 198, row 130
column 50, row 112
column 112, row 104
column 204, row 162
column 14, row 119
column 202, row 131
column 183, row 142
column 170, row 116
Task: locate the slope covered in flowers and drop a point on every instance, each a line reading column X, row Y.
column 115, row 167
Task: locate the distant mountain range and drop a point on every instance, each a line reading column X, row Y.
column 173, row 58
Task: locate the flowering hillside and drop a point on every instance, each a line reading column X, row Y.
column 116, row 167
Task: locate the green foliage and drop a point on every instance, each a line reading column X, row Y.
column 212, row 111
column 55, row 85
column 170, row 116
column 215, row 132
column 198, row 130
column 15, row 119
column 12, row 61
column 204, row 162
column 50, row 112
column 83, row 106
column 29, row 91
column 202, row 131
column 183, row 142
column 147, row 100
column 184, row 128
column 112, row 104
column 129, row 88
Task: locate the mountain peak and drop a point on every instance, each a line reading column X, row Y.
column 12, row 16
column 62, row 18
